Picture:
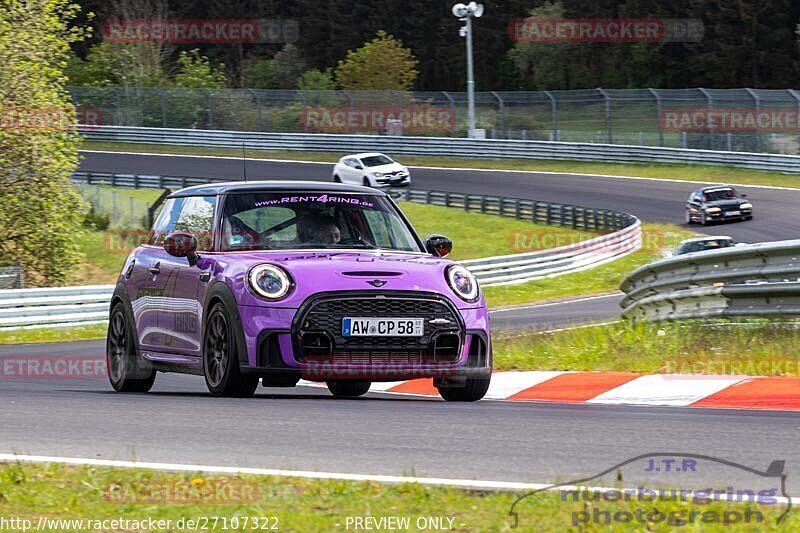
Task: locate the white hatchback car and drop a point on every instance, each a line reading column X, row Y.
column 371, row 169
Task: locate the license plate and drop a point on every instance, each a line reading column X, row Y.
column 382, row 327
column 733, row 213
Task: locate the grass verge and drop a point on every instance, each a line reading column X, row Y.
column 77, row 333
column 644, row 170
column 294, row 504
column 751, row 347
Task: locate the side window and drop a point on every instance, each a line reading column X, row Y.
column 165, row 223
column 352, row 163
column 380, row 232
column 197, row 217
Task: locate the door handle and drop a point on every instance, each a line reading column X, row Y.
column 154, row 269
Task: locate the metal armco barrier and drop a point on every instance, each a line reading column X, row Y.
column 625, row 236
column 443, row 146
column 753, row 280
column 54, row 307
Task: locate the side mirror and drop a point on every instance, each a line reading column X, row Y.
column 743, row 195
column 359, row 167
column 438, row 245
column 182, row 244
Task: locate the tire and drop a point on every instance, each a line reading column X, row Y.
column 337, row 179
column 125, row 371
column 348, row 389
column 474, row 390
column 366, row 182
column 748, row 218
column 220, row 358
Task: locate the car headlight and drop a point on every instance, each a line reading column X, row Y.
column 377, row 174
column 713, row 209
column 746, row 205
column 463, row 282
column 270, row 281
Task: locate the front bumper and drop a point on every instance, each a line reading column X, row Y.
column 735, row 214
column 310, row 345
column 394, row 181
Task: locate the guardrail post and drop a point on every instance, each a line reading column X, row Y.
column 258, row 109
column 516, row 209
column 452, row 103
column 210, row 106
column 163, row 96
column 710, row 105
column 609, row 136
column 658, row 114
column 553, row 113
column 757, row 102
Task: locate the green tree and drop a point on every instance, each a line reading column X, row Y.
column 41, row 212
column 280, row 72
column 196, row 72
column 381, row 64
column 118, row 64
column 542, row 66
column 315, row 80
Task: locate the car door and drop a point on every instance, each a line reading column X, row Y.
column 181, row 315
column 694, row 206
column 354, row 174
column 146, row 284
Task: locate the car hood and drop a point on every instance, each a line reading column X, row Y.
column 324, row 271
column 726, row 203
column 393, row 167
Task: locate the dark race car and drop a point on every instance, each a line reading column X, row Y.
column 717, row 203
column 703, row 244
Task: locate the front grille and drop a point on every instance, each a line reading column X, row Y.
column 322, row 318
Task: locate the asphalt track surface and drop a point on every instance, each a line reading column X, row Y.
column 305, row 428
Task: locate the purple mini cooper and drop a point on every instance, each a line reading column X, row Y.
column 278, row 281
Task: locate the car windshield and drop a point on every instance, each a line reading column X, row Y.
column 701, row 246
column 312, row 220
column 719, row 194
column 376, row 161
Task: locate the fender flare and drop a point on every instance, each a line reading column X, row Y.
column 220, row 291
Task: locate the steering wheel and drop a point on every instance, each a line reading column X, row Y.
column 357, row 239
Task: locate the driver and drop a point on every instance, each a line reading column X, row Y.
column 327, row 232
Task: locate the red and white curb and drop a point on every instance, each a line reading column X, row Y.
column 625, row 388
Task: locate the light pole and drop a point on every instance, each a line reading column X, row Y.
column 465, row 13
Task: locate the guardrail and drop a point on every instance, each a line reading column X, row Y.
column 55, row 307
column 625, row 236
column 89, row 305
column 442, row 146
column 753, row 280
